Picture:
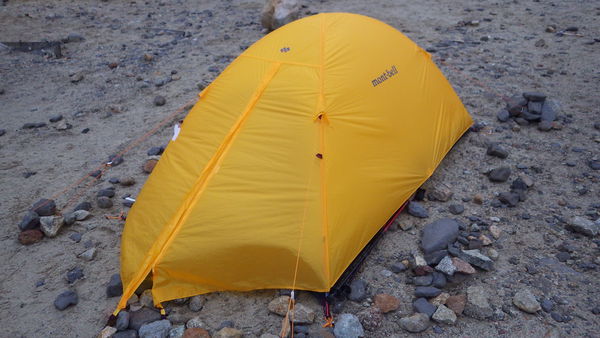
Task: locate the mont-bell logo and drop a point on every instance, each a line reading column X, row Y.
column 386, row 75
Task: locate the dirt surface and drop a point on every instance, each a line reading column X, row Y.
column 491, row 49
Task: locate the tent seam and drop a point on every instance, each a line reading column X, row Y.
column 324, row 156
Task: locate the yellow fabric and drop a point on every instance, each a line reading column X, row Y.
column 306, row 144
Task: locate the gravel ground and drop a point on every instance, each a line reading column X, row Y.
column 105, row 88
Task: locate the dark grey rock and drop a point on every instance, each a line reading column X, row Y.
column 74, row 274
column 156, row 329
column 427, row 291
column 142, row 316
column 75, row 237
column 476, row 258
column 115, row 160
column 499, row 174
column 534, row 96
column 435, row 257
column 348, row 325
column 534, row 107
column 56, row 118
column 418, row 322
column 30, row 221
column 550, row 110
column 231, row 324
column 125, row 334
column 106, row 192
column 456, row 209
column 358, row 290
column 423, row 280
column 44, row 207
column 563, row 256
column 66, row 299
column 509, row 198
column 159, row 100
column 503, row 115
column 515, row 105
column 437, row 235
column 33, row 125
column 122, row 320
column 155, row 151
column 421, row 305
column 2, row 132
column 87, row 206
column 114, row 180
column 497, row 150
column 439, row 280
column 398, row 267
column 544, row 126
column 114, row 287
column 74, row 37
column 530, row 116
column 595, row 165
column 104, row 202
column 416, row 209
column 547, row 305
column 518, row 184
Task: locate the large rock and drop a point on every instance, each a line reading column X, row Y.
column 115, row 286
column 478, row 305
column 197, row 303
column 141, row 317
column 499, row 174
column 30, row 221
column 228, row 332
column 440, row 194
column 427, row 291
column 386, row 303
column 417, row 209
column 157, row 329
column 50, row 225
column 122, row 320
column 107, row 332
column 44, row 207
column 550, row 110
column 348, row 326
column 193, row 332
column 29, row 237
column 358, row 290
column 421, row 305
column 437, row 235
column 494, row 149
column 476, row 258
column 584, row 226
column 418, row 322
column 525, row 300
column 444, row 315
column 277, row 13
column 126, row 334
column 446, row 266
column 66, row 299
column 457, row 303
column 302, row 314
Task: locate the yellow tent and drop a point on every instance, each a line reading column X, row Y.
column 291, row 161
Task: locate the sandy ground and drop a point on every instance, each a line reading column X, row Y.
column 507, row 50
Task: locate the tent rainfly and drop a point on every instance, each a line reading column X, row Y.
column 291, row 161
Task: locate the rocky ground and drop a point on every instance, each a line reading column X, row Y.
column 523, row 194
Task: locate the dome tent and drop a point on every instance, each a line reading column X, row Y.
column 291, row 161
